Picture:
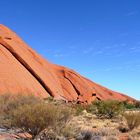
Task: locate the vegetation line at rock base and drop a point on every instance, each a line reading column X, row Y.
column 51, row 118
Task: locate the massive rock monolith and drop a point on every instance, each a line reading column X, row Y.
column 22, row 70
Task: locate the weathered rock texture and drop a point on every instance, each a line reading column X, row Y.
column 24, row 71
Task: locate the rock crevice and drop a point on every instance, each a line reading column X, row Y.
column 26, row 66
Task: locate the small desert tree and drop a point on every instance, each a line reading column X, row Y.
column 109, row 109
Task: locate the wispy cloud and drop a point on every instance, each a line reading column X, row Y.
column 60, row 55
column 119, row 68
column 135, row 49
column 98, row 52
column 123, row 44
column 88, row 50
column 114, row 68
column 110, row 50
column 132, row 13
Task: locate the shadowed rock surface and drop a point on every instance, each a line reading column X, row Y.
column 22, row 70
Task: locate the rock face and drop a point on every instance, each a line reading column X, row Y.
column 24, row 71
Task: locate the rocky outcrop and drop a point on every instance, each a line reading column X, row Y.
column 14, row 134
column 22, row 70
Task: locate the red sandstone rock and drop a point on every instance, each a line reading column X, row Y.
column 24, row 71
column 15, row 136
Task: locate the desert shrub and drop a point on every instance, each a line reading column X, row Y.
column 137, row 104
column 78, row 109
column 68, row 131
column 134, row 135
column 51, row 134
column 85, row 135
column 106, row 131
column 98, row 134
column 9, row 102
column 128, row 105
column 32, row 114
column 109, row 109
column 34, row 118
column 91, row 108
column 132, row 119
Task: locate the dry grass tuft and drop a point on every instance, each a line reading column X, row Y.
column 132, row 119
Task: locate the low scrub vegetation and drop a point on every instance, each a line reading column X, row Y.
column 106, row 109
column 78, row 109
column 48, row 116
column 32, row 114
column 9, row 103
column 104, row 133
column 132, row 119
column 103, row 109
column 128, row 105
column 131, row 106
column 109, row 109
column 137, row 104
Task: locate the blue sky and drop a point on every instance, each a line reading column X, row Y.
column 100, row 39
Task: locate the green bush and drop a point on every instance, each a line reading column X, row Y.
column 128, row 105
column 132, row 119
column 109, row 109
column 90, row 108
column 137, row 104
